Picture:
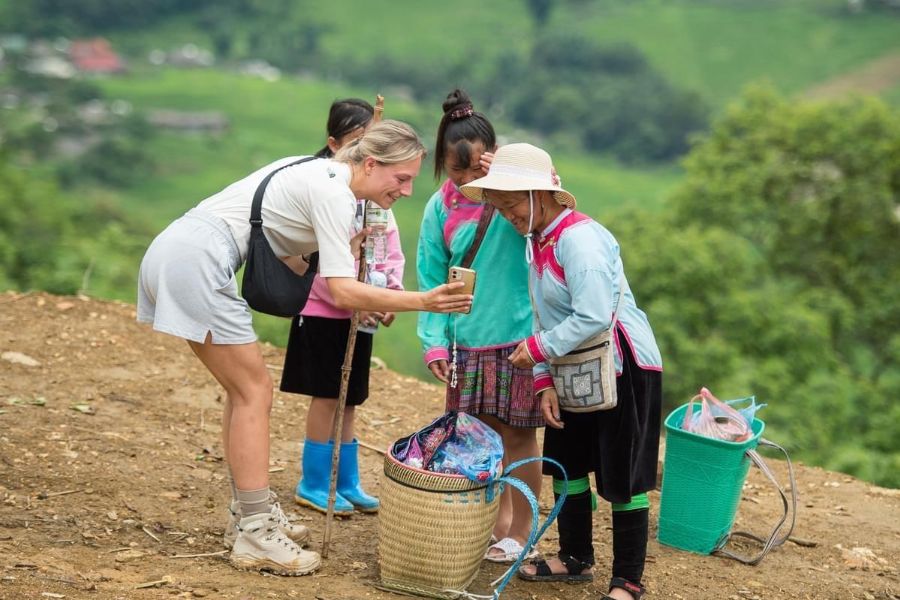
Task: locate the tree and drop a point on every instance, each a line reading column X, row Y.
column 779, row 275
column 51, row 242
column 540, row 10
column 815, row 187
column 57, row 17
column 608, row 97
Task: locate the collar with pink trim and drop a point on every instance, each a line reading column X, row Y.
column 544, row 255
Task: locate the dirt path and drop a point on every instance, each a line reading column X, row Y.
column 874, row 77
column 110, row 468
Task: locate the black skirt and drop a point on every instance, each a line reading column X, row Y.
column 621, row 445
column 315, row 354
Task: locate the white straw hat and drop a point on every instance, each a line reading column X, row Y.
column 519, row 168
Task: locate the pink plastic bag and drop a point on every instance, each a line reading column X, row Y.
column 716, row 419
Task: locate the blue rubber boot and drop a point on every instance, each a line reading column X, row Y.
column 312, row 490
column 348, row 484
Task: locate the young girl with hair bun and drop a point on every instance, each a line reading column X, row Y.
column 470, row 352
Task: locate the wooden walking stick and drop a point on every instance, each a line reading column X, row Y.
column 337, row 431
column 379, row 108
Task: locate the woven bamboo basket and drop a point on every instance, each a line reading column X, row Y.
column 433, row 530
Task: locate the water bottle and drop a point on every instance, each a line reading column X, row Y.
column 376, row 241
column 377, row 279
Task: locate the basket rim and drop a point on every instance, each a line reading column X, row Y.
column 432, row 481
column 673, row 427
column 390, row 457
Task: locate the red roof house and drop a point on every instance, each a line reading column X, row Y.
column 95, row 56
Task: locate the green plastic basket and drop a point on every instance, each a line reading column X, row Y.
column 702, row 483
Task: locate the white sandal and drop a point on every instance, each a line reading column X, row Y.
column 511, row 550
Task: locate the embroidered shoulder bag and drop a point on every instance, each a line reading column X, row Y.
column 585, row 378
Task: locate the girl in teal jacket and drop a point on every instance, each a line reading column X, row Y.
column 480, row 381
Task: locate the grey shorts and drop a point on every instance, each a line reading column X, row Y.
column 187, row 285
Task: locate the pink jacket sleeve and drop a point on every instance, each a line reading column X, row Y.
column 395, row 259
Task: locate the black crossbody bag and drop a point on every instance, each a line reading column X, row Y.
column 270, row 286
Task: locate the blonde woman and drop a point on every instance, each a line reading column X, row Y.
column 187, row 288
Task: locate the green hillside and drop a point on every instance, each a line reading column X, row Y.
column 893, row 95
column 714, row 48
column 711, row 47
column 290, row 121
column 717, row 47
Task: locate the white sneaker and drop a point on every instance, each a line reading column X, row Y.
column 234, row 516
column 260, row 545
column 297, row 533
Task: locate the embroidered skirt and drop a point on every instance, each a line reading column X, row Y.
column 488, row 384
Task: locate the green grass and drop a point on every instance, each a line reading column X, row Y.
column 271, row 120
column 472, row 31
column 716, row 48
column 712, row 47
column 267, row 121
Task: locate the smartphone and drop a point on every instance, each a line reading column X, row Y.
column 467, row 276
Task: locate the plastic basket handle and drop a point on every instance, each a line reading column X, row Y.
column 773, row 541
column 536, row 533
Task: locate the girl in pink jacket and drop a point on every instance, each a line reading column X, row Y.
column 316, row 347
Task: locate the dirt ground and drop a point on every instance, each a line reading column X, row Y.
column 111, row 472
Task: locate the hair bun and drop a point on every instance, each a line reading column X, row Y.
column 457, row 101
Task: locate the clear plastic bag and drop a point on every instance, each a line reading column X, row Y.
column 454, row 443
column 720, row 420
column 474, row 450
column 417, row 450
column 748, row 412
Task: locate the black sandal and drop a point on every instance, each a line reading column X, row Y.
column 637, row 591
column 573, row 574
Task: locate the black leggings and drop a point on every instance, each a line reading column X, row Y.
column 630, row 534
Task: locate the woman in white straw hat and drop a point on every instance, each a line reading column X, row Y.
column 579, row 290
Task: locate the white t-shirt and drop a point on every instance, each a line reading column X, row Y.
column 305, row 208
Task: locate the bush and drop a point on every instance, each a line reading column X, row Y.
column 609, row 97
column 774, row 272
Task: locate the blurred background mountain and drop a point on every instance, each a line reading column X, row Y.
column 746, row 154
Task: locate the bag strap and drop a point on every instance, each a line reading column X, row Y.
column 536, row 533
column 533, row 536
column 615, row 318
column 773, row 541
column 483, row 223
column 256, row 207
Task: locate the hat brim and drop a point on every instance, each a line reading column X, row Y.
column 474, row 190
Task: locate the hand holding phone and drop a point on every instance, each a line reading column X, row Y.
column 467, row 276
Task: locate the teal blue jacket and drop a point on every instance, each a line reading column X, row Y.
column 501, row 311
